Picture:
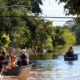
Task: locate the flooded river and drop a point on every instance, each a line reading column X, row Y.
column 57, row 69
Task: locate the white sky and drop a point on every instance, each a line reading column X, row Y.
column 52, row 9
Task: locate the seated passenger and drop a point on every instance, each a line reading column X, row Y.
column 70, row 52
column 12, row 61
column 23, row 59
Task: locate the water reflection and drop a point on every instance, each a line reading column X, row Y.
column 70, row 62
column 56, row 69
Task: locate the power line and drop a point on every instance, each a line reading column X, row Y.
column 28, row 6
column 59, row 21
column 43, row 17
column 58, row 17
column 13, row 6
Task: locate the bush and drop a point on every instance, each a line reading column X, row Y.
column 42, row 56
column 4, row 41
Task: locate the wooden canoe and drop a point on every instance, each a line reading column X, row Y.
column 17, row 73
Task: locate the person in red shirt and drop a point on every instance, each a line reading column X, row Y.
column 12, row 61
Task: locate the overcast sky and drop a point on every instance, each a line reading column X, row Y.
column 53, row 9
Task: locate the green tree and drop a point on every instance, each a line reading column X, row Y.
column 76, row 29
column 36, row 8
column 4, row 42
column 13, row 14
column 69, row 37
column 58, row 40
column 48, row 44
column 43, row 32
column 40, row 32
column 63, row 37
column 71, row 6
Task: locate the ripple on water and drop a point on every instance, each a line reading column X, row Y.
column 61, row 70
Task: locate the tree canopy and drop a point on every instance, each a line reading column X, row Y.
column 71, row 6
column 63, row 37
column 20, row 21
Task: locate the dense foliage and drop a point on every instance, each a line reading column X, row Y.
column 12, row 22
column 72, row 6
column 19, row 19
column 4, row 41
column 75, row 27
column 63, row 38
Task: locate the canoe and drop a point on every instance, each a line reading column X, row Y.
column 71, row 58
column 16, row 73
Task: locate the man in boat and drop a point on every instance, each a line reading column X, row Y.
column 23, row 58
column 70, row 52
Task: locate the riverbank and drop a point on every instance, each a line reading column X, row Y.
column 45, row 56
column 42, row 56
column 48, row 55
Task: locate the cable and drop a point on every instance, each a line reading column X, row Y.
column 12, row 6
column 58, row 17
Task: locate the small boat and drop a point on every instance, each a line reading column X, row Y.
column 71, row 58
column 18, row 73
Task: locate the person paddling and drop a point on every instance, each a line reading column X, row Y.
column 70, row 52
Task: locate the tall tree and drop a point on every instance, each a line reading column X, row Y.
column 40, row 31
column 71, row 6
column 12, row 13
column 63, row 37
column 12, row 10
